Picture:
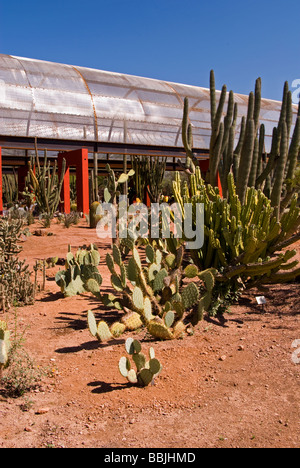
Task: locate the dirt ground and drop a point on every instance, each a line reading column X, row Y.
column 231, row 384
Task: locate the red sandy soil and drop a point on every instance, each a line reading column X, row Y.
column 231, row 384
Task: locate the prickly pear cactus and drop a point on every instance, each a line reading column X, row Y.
column 146, row 371
column 79, row 269
column 153, row 294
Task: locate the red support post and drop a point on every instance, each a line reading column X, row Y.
column 1, row 190
column 79, row 159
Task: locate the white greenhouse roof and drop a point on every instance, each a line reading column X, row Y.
column 50, row 100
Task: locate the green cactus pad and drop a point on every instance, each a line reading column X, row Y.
column 159, row 330
column 145, row 377
column 147, row 313
column 95, row 257
column 117, row 329
column 154, row 366
column 138, row 298
column 132, row 271
column 139, row 360
column 136, row 258
column 169, row 318
column 152, row 271
column 150, row 254
column 110, row 263
column 190, row 295
column 117, row 255
column 124, row 366
column 92, row 323
column 191, row 271
column 132, row 377
column 132, row 346
column 208, row 279
column 103, row 332
column 116, row 283
column 132, row 321
column 158, row 283
column 92, row 286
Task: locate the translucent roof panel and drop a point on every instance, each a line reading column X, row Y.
column 49, row 100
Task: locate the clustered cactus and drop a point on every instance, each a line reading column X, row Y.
column 248, row 160
column 244, row 240
column 4, row 346
column 79, row 268
column 155, row 295
column 44, row 183
column 146, row 371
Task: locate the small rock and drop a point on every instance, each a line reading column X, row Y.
column 42, row 411
column 222, row 358
column 241, row 348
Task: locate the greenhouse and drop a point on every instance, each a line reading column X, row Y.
column 62, row 107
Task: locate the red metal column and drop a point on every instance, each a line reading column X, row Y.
column 79, row 159
column 1, row 192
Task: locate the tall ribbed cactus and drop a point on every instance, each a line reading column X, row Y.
column 149, row 176
column 45, row 184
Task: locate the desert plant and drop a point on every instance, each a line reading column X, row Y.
column 249, row 162
column 245, row 240
column 22, row 374
column 146, row 371
column 156, row 293
column 44, row 183
column 79, row 268
column 70, row 219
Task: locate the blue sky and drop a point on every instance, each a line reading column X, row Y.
column 173, row 40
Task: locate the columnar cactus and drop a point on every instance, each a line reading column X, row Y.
column 248, row 161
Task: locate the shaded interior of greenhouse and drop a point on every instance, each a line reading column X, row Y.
column 112, row 116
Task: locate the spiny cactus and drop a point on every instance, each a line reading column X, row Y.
column 146, row 371
column 248, row 160
column 156, row 293
column 149, row 176
column 79, row 268
column 44, row 183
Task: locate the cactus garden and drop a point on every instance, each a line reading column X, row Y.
column 154, row 340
